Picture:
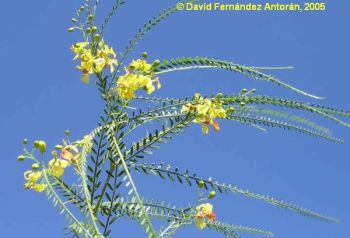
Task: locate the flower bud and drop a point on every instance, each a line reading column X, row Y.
column 242, row 104
column 74, row 20
column 70, row 29
column 211, row 195
column 97, row 37
column 81, row 8
column 40, row 145
column 20, row 158
column 58, row 147
column 156, row 63
column 144, row 55
column 219, row 95
column 35, row 166
column 24, row 141
column 67, row 132
column 244, row 90
column 201, row 184
column 88, row 30
column 90, row 17
column 93, row 29
column 36, row 144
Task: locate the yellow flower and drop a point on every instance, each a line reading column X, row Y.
column 139, row 75
column 98, row 64
column 127, row 85
column 32, row 178
column 93, row 62
column 107, row 54
column 206, row 111
column 203, row 212
column 141, row 66
column 86, row 65
column 39, row 187
column 66, row 154
column 57, row 166
column 78, row 49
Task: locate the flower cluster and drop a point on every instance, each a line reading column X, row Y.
column 204, row 212
column 93, row 60
column 206, row 111
column 69, row 155
column 139, row 75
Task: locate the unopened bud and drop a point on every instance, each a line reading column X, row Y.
column 219, row 95
column 156, row 63
column 20, row 158
column 70, row 29
column 74, row 20
column 35, row 166
column 144, row 55
column 97, row 37
column 67, row 132
column 40, row 145
column 93, row 29
column 244, row 90
column 211, row 195
column 201, row 184
column 90, row 17
column 242, row 104
column 58, row 147
column 36, row 144
column 24, row 141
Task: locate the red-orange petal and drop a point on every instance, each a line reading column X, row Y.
column 211, row 216
column 215, row 125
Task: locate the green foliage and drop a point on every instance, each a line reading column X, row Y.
column 184, row 216
column 185, row 177
column 187, row 63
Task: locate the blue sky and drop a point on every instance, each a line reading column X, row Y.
column 41, row 96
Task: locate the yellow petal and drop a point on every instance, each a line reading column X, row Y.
column 205, row 128
column 205, row 208
column 39, row 187
column 85, row 78
column 201, row 224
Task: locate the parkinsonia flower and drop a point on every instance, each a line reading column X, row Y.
column 93, row 60
column 206, row 111
column 69, row 155
column 139, row 75
column 204, row 212
column 57, row 166
column 32, row 177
